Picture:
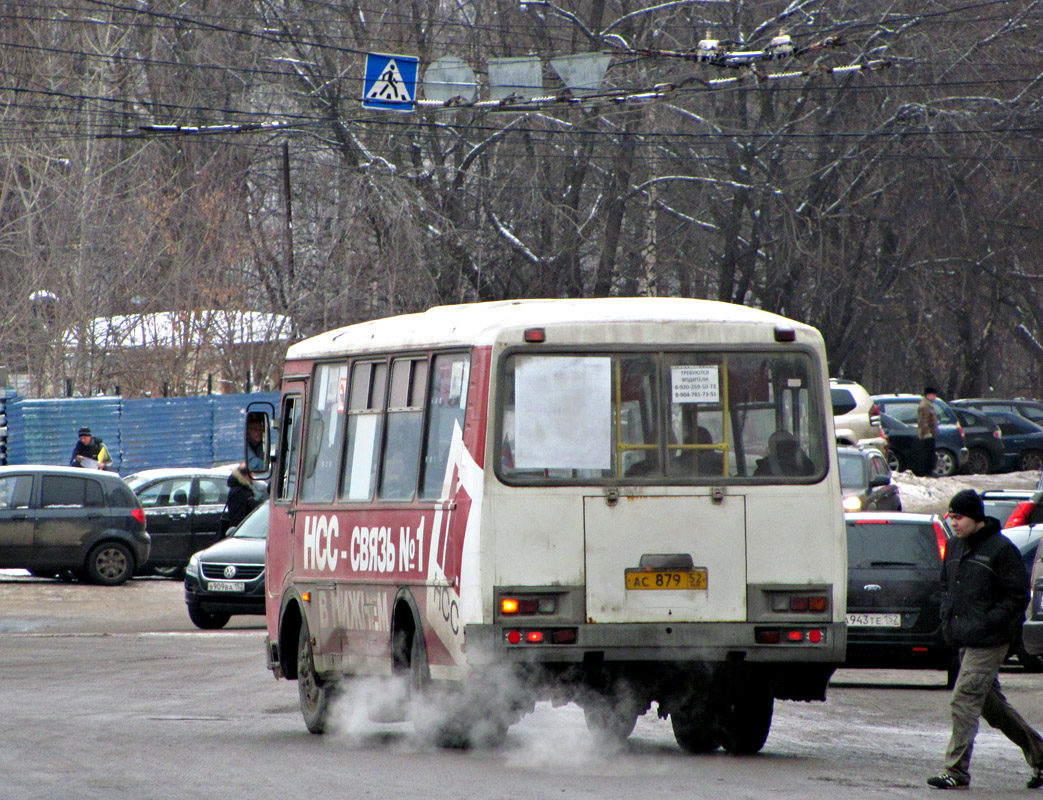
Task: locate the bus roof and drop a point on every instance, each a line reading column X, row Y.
column 481, row 323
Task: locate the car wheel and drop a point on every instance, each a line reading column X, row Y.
column 174, row 573
column 110, row 564
column 894, row 461
column 946, row 464
column 1032, row 461
column 978, row 462
column 316, row 694
column 206, row 620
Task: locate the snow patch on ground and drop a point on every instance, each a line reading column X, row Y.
column 931, row 495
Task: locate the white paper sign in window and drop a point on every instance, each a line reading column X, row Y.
column 695, row 384
column 563, row 413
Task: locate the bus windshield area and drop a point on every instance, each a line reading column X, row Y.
column 661, row 417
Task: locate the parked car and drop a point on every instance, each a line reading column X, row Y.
column 68, row 519
column 1030, row 409
column 1003, row 503
column 1032, row 631
column 949, row 445
column 228, row 577
column 904, row 450
column 855, row 416
column 1022, row 441
column 865, row 480
column 894, row 592
column 183, row 511
column 985, row 453
column 1031, row 662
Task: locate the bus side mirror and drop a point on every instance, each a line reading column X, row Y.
column 257, row 440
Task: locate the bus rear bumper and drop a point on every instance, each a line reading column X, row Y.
column 663, row 657
column 822, row 643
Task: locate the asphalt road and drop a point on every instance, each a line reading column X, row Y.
column 112, row 693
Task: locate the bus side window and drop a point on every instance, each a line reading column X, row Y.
column 445, row 410
column 289, row 446
column 405, row 419
column 365, row 422
column 325, row 431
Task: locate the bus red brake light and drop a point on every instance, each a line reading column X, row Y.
column 535, row 335
column 534, row 637
column 514, row 637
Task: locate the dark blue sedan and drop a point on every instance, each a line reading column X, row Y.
column 1022, row 441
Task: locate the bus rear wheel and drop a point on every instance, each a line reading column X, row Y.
column 610, row 722
column 693, row 728
column 744, row 717
column 316, row 695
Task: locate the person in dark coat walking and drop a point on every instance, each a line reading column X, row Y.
column 984, row 593
column 242, row 497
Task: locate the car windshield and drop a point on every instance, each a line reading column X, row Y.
column 852, row 471
column 255, row 526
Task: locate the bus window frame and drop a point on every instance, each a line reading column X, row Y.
column 387, row 359
column 814, row 390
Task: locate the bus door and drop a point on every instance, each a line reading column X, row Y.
column 665, row 558
column 279, row 554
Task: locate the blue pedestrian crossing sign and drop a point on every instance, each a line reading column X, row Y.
column 390, row 83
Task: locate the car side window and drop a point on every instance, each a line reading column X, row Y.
column 157, row 495
column 878, row 466
column 212, row 492
column 58, row 491
column 15, row 491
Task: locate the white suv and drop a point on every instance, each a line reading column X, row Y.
column 855, row 416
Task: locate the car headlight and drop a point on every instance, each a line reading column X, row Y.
column 852, row 503
column 193, row 566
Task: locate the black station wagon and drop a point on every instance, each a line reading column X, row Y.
column 55, row 520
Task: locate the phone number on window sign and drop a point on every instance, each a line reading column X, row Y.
column 371, row 549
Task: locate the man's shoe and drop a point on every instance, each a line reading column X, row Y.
column 1036, row 781
column 947, row 781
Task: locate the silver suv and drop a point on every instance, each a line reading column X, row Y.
column 855, row 416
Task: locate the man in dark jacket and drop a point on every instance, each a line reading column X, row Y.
column 242, row 496
column 984, row 592
column 89, row 451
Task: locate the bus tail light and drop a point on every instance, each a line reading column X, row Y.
column 539, row 636
column 785, row 602
column 789, row 635
column 528, row 606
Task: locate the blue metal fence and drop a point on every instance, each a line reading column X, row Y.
column 139, row 434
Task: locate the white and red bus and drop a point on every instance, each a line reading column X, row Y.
column 615, row 502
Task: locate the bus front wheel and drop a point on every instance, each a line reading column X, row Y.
column 316, row 694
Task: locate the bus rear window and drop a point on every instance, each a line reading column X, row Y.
column 661, row 417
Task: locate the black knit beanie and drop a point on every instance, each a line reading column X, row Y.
column 967, row 504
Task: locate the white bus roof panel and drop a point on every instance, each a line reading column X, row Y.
column 482, row 323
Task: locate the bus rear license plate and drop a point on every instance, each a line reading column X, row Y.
column 226, row 586
column 666, row 579
column 874, row 620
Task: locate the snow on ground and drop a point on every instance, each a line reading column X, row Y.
column 931, row 495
